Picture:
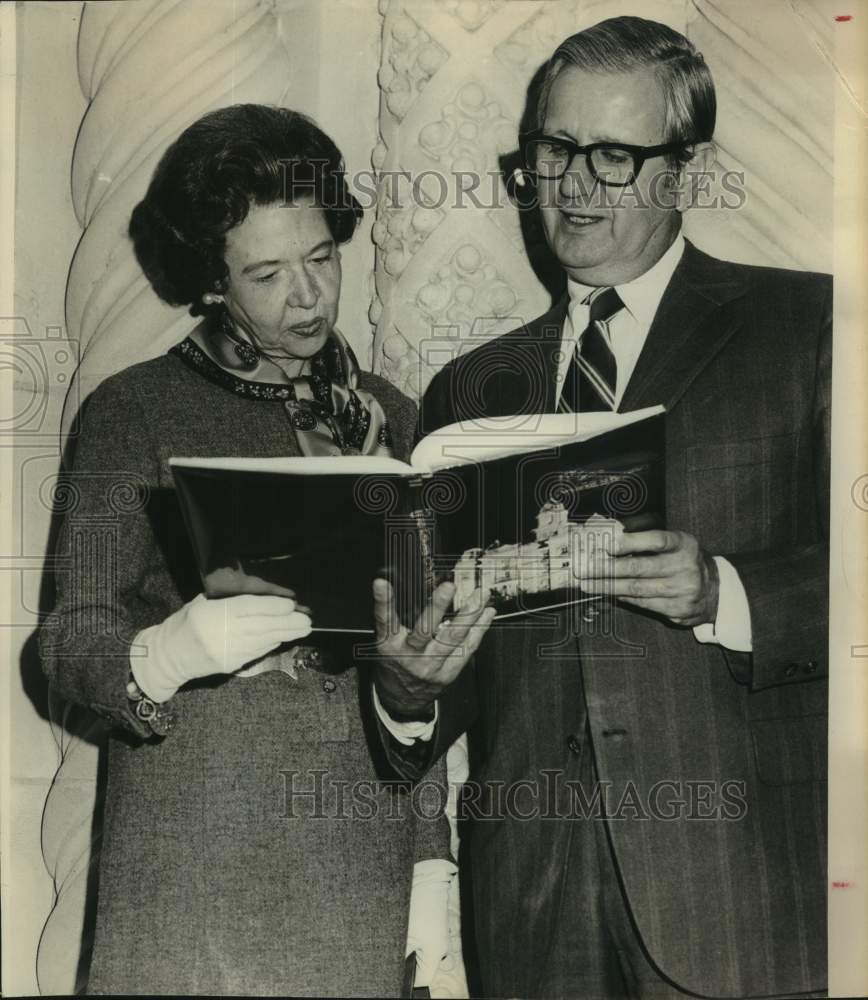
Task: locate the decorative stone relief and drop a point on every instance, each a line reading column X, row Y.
column 451, row 263
column 410, row 58
column 472, row 14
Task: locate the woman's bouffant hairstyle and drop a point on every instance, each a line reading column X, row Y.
column 624, row 44
column 209, row 177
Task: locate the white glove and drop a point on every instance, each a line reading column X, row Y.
column 428, row 926
column 216, row 636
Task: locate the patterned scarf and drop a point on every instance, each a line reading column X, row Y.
column 328, row 411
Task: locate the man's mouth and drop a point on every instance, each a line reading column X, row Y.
column 309, row 329
column 577, row 220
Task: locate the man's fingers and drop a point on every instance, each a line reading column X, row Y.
column 675, row 612
column 428, row 621
column 656, row 540
column 456, row 642
column 602, row 566
column 452, row 631
column 657, row 604
column 473, row 634
column 633, row 587
column 386, row 621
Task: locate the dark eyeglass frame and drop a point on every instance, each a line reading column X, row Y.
column 639, row 154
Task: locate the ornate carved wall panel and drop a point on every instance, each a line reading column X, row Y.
column 452, row 266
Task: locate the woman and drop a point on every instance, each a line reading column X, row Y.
column 233, row 859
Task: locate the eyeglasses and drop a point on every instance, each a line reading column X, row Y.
column 618, row 165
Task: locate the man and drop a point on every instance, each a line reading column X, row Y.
column 699, row 715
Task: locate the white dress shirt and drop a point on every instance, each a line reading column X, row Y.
column 629, row 327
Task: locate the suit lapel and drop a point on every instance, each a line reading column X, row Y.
column 689, row 329
column 544, row 337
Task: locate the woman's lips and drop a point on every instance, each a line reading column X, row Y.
column 309, row 329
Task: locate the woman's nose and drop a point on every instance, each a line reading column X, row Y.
column 303, row 293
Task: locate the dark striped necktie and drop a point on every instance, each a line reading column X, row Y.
column 592, row 375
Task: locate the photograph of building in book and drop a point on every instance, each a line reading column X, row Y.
column 550, row 562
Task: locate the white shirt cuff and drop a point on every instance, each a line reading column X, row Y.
column 732, row 627
column 406, row 732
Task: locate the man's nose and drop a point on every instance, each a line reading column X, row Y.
column 578, row 182
column 303, row 292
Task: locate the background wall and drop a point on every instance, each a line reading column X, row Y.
column 455, row 82
column 49, row 109
column 414, row 84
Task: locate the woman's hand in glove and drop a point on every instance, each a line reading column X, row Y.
column 216, row 636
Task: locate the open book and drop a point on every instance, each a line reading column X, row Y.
column 509, row 504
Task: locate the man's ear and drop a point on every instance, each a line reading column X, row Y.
column 696, row 178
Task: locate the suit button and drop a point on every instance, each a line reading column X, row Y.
column 328, row 686
column 790, row 670
column 811, row 667
column 574, row 744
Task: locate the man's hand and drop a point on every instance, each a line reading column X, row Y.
column 415, row 666
column 662, row 571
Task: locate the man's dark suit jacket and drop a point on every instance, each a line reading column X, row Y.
column 733, row 905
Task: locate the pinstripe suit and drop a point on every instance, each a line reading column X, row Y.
column 734, row 904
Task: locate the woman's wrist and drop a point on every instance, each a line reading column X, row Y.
column 153, row 674
column 158, row 716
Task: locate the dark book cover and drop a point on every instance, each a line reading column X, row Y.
column 519, row 526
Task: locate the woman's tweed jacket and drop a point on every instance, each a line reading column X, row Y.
column 230, row 863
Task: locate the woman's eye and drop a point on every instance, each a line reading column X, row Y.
column 322, row 259
column 263, row 279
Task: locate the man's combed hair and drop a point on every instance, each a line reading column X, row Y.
column 209, row 177
column 625, row 44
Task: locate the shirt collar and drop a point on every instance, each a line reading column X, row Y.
column 642, row 295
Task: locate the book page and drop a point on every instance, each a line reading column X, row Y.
column 493, row 437
column 352, row 465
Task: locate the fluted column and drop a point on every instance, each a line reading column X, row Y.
column 68, row 848
column 775, row 124
column 149, row 69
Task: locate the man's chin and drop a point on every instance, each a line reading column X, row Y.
column 583, row 267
